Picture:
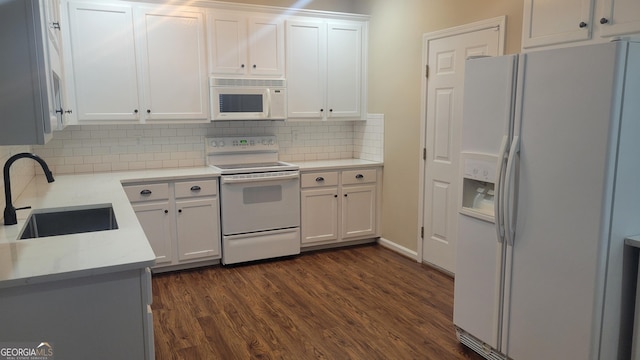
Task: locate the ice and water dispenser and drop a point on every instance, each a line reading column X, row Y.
column 478, row 185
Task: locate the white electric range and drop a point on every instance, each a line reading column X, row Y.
column 260, row 198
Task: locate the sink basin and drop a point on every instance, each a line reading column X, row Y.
column 69, row 220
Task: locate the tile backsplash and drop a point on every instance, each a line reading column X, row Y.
column 100, row 148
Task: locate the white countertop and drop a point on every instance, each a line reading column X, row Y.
column 47, row 259
column 336, row 164
column 62, row 257
column 633, row 241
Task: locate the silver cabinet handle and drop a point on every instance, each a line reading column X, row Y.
column 196, row 188
column 145, row 192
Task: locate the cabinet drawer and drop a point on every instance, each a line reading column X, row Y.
column 329, row 178
column 147, row 192
column 359, row 176
column 196, row 188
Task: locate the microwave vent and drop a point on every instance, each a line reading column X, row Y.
column 239, row 82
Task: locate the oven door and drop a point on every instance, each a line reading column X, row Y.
column 259, row 202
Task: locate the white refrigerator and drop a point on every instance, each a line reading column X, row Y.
column 550, row 188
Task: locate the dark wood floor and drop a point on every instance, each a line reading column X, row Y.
column 364, row 302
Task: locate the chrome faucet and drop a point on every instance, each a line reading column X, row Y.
column 9, row 211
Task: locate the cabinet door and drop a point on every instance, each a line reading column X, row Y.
column 553, row 22
column 227, row 43
column 358, row 211
column 155, row 219
column 266, row 46
column 306, row 69
column 104, row 69
column 319, row 215
column 619, row 17
column 198, row 228
column 173, row 65
column 344, row 70
column 52, row 22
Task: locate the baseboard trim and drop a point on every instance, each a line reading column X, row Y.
column 398, row 248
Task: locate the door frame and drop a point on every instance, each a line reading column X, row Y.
column 496, row 22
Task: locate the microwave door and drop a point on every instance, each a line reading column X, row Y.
column 239, row 104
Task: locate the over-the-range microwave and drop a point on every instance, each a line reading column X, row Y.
column 248, row 99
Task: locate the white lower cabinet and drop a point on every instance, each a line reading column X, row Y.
column 339, row 206
column 197, row 232
column 181, row 220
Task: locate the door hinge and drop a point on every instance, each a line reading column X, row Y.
column 422, row 232
column 424, row 153
column 426, row 71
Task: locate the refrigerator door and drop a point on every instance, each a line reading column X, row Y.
column 479, row 266
column 567, row 144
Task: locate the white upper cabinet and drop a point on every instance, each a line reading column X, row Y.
column 245, row 44
column 104, row 72
column 618, row 17
column 569, row 22
column 53, row 23
column 174, row 68
column 344, row 70
column 326, row 69
column 137, row 64
column 31, row 74
column 552, row 22
column 306, row 69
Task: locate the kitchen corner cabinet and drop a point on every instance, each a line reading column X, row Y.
column 181, row 220
column 339, row 206
column 326, row 68
column 245, row 44
column 548, row 23
column 32, row 95
column 99, row 315
column 137, row 63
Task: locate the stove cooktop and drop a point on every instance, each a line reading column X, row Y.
column 226, row 169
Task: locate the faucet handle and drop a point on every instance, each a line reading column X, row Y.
column 23, row 208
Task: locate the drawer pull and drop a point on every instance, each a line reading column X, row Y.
column 196, row 188
column 359, row 176
column 145, row 192
column 319, row 179
column 166, row 211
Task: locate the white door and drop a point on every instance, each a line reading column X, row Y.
column 319, row 215
column 443, row 118
column 156, row 219
column 102, row 49
column 197, row 228
column 266, row 46
column 174, row 71
column 306, row 69
column 619, row 17
column 358, row 211
column 344, row 70
column 554, row 22
column 227, row 47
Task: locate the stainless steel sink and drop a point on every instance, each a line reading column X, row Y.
column 69, row 220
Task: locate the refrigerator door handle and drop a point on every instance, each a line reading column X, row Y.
column 498, row 210
column 509, row 227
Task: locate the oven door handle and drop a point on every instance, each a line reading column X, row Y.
column 232, row 180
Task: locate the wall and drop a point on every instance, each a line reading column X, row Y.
column 395, row 68
column 95, row 148
column 21, row 173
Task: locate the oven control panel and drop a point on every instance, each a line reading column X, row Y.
column 234, row 144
